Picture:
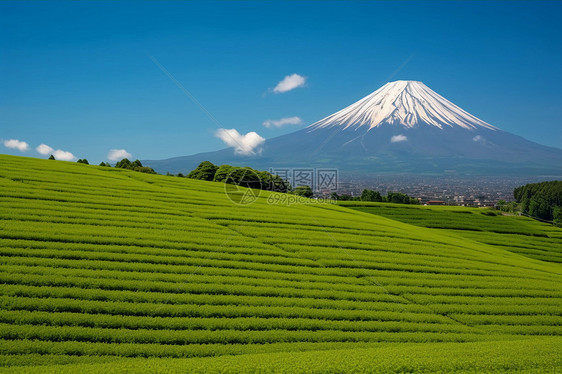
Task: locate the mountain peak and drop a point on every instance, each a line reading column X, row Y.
column 404, row 102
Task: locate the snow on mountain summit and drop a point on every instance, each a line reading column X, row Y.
column 406, row 103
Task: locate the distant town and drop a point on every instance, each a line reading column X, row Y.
column 460, row 191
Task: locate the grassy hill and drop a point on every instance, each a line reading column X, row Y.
column 522, row 235
column 106, row 269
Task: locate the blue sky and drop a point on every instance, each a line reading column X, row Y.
column 78, row 76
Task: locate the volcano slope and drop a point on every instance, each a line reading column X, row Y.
column 106, row 270
column 404, row 127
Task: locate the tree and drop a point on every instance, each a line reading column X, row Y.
column 304, row 191
column 345, row 197
column 244, row 177
column 136, row 166
column 83, row 161
column 222, row 173
column 557, row 216
column 539, row 199
column 272, row 182
column 370, row 195
column 51, row 157
column 205, row 171
column 124, row 164
column 241, row 176
column 145, row 169
column 400, row 198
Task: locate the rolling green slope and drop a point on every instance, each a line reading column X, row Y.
column 107, row 269
column 526, row 236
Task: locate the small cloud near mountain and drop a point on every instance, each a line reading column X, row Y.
column 282, row 122
column 59, row 154
column 44, row 149
column 246, row 145
column 290, row 82
column 118, row 154
column 16, row 144
column 398, row 138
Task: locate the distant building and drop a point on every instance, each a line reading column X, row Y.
column 423, row 200
column 435, row 202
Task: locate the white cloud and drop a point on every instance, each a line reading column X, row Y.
column 242, row 144
column 290, row 82
column 59, row 154
column 478, row 138
column 282, row 122
column 398, row 138
column 16, row 144
column 44, row 149
column 118, row 154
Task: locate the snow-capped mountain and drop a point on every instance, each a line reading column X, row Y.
column 406, row 103
column 403, row 127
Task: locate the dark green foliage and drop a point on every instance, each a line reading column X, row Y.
column 400, row 198
column 205, row 171
column 180, row 175
column 557, row 215
column 124, row 164
column 344, row 197
column 144, row 169
column 106, row 164
column 370, row 195
column 242, row 176
column 83, row 161
column 539, row 200
column 136, row 166
column 375, row 196
column 51, row 157
column 305, row 191
column 222, row 173
column 245, row 177
column 271, row 182
column 511, row 207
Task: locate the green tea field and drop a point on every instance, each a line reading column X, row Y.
column 111, row 270
column 522, row 235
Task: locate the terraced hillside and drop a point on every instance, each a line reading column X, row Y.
column 522, row 235
column 112, row 270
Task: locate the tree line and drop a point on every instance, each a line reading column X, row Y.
column 123, row 164
column 541, row 200
column 375, row 196
column 241, row 176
